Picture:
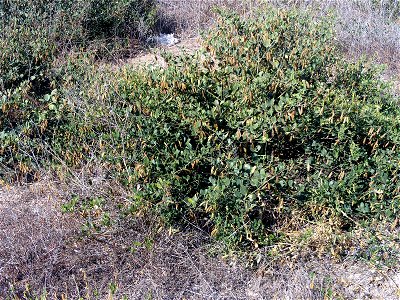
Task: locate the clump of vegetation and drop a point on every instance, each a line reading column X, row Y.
column 268, row 120
column 127, row 18
column 267, row 136
column 34, row 32
column 34, row 35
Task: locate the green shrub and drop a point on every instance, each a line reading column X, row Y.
column 126, row 18
column 34, row 31
column 267, row 120
column 29, row 126
column 33, row 37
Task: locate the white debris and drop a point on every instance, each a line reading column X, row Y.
column 163, row 39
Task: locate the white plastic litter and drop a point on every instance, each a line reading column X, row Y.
column 163, row 39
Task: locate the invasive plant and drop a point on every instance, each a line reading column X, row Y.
column 127, row 18
column 266, row 120
column 33, row 36
column 33, row 31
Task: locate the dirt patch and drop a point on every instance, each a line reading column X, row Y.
column 153, row 56
column 33, row 234
column 43, row 248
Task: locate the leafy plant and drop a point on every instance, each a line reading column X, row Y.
column 268, row 119
column 35, row 34
column 265, row 121
column 127, row 18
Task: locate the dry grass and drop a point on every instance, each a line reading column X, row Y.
column 33, row 234
column 193, row 16
column 365, row 30
column 42, row 248
column 362, row 28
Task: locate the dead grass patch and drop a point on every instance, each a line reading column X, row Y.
column 44, row 250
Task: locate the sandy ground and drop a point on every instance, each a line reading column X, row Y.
column 153, row 56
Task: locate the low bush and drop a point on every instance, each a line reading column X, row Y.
column 34, row 35
column 266, row 121
column 34, row 31
column 127, row 18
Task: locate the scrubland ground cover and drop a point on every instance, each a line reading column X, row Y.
column 275, row 142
